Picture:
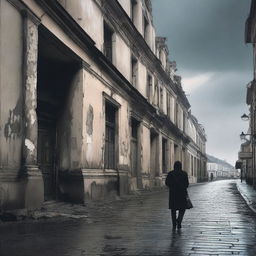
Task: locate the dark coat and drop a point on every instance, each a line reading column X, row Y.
column 177, row 181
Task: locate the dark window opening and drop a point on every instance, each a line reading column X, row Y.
column 176, row 113
column 154, row 154
column 156, row 95
column 149, row 87
column 134, row 147
column 146, row 29
column 110, row 135
column 168, row 104
column 164, row 155
column 161, row 98
column 133, row 10
column 176, row 157
column 184, row 122
column 108, row 44
column 134, row 71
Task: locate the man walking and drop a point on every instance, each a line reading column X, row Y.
column 177, row 181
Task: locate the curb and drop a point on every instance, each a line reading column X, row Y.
column 246, row 199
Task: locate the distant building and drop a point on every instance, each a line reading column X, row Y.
column 220, row 169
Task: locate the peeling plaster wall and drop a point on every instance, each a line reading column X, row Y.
column 10, row 87
column 124, row 134
column 70, row 127
column 94, row 123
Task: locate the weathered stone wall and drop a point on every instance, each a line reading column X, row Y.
column 11, row 86
column 11, row 99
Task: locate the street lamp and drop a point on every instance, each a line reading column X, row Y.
column 243, row 135
column 245, row 117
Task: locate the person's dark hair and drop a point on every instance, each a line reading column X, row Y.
column 178, row 166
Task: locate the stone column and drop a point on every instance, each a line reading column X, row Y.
column 34, row 194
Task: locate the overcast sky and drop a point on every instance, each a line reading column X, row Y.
column 206, row 38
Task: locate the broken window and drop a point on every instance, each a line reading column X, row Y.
column 110, row 136
column 108, row 42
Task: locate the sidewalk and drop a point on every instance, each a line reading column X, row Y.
column 248, row 193
column 58, row 210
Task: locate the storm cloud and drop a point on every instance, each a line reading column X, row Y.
column 206, row 38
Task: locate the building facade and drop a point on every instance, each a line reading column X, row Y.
column 91, row 106
column 220, row 169
column 247, row 155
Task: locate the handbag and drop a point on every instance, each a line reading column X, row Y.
column 189, row 204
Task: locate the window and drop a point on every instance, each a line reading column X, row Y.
column 156, row 94
column 110, row 135
column 134, row 71
column 164, row 155
column 176, row 157
column 133, row 10
column 168, row 104
column 108, row 44
column 149, row 88
column 184, row 122
column 176, row 114
column 161, row 98
column 146, row 33
column 192, row 166
column 134, row 147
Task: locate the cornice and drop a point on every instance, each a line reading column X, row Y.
column 133, row 38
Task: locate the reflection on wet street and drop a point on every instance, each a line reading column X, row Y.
column 219, row 224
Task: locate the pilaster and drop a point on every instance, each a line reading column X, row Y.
column 34, row 194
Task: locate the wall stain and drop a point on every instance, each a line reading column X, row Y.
column 89, row 120
column 13, row 127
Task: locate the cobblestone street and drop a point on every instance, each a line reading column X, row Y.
column 219, row 224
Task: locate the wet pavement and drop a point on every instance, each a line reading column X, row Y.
column 219, row 224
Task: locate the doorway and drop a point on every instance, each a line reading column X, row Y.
column 57, row 67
